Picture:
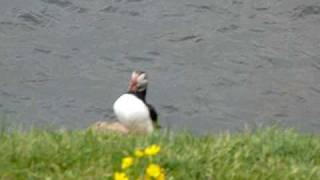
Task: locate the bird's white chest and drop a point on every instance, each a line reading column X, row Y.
column 130, row 110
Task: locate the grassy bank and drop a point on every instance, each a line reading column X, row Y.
column 266, row 154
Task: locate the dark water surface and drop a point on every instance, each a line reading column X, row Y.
column 214, row 65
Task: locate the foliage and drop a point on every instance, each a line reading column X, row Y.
column 269, row 153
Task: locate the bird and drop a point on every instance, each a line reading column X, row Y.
column 132, row 109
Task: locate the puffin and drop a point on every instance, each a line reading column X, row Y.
column 132, row 109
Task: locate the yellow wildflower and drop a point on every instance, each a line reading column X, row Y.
column 152, row 150
column 162, row 176
column 120, row 176
column 138, row 153
column 126, row 162
column 153, row 170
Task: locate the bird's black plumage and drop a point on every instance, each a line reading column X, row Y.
column 153, row 113
column 140, row 94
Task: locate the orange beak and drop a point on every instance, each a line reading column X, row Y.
column 133, row 82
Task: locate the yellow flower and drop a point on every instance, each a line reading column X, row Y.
column 138, row 153
column 153, row 170
column 126, row 162
column 120, row 176
column 162, row 176
column 152, row 150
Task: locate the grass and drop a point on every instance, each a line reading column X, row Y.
column 269, row 153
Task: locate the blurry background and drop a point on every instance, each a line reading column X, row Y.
column 213, row 65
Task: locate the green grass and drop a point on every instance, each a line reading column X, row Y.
column 270, row 153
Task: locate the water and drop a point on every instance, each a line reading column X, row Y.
column 213, row 65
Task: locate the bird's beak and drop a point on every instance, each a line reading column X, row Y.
column 133, row 82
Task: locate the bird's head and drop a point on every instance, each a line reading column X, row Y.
column 138, row 82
